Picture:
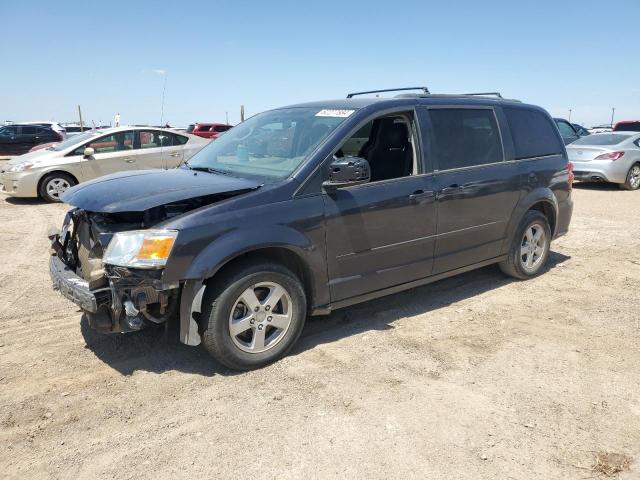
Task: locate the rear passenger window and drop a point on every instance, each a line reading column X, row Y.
column 533, row 133
column 154, row 139
column 464, row 137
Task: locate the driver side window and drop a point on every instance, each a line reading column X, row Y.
column 388, row 143
column 117, row 142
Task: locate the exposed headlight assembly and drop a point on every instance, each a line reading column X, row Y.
column 140, row 248
column 19, row 167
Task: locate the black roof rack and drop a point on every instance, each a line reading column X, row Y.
column 424, row 89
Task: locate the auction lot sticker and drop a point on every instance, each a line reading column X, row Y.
column 334, row 113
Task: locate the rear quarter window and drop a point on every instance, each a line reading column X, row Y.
column 534, row 133
column 179, row 139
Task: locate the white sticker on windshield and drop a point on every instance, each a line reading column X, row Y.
column 334, row 113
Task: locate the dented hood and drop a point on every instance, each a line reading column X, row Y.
column 144, row 189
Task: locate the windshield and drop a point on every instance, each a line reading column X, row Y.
column 76, row 139
column 271, row 144
column 601, row 139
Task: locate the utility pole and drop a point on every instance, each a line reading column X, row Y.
column 570, row 115
column 242, row 113
column 80, row 115
column 613, row 111
column 164, row 87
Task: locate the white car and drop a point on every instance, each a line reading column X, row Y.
column 49, row 172
column 600, row 129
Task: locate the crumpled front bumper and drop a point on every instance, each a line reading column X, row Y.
column 75, row 288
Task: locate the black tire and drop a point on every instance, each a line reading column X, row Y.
column 221, row 297
column 63, row 179
column 633, row 178
column 515, row 266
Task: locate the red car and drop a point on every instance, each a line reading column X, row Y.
column 208, row 130
column 627, row 126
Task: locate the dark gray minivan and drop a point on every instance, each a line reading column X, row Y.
column 305, row 209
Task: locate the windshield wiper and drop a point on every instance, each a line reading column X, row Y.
column 207, row 169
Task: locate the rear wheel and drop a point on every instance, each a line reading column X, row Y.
column 54, row 185
column 253, row 315
column 530, row 247
column 633, row 178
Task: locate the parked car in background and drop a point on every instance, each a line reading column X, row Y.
column 627, row 126
column 567, row 132
column 607, row 157
column 285, row 216
column 76, row 129
column 208, row 130
column 600, row 129
column 580, row 130
column 17, row 139
column 49, row 172
column 55, row 126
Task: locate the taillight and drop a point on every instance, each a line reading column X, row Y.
column 610, row 156
column 571, row 176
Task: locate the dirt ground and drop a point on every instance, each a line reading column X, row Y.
column 475, row 377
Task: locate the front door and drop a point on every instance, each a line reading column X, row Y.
column 382, row 233
column 112, row 153
column 476, row 190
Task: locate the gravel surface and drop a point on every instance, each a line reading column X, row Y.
column 475, row 377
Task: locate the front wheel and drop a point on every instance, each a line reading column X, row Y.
column 633, row 178
column 253, row 315
column 54, row 185
column 529, row 248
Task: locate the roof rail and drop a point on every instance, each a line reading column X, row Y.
column 424, row 89
column 485, row 94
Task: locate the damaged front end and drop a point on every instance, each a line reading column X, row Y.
column 110, row 255
column 115, row 298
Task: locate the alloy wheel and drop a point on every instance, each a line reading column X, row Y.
column 56, row 187
column 260, row 317
column 532, row 247
column 634, row 177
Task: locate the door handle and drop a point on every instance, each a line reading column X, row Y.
column 452, row 188
column 174, row 155
column 421, row 194
column 130, row 160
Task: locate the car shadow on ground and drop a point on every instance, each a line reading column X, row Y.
column 158, row 350
column 25, row 201
column 597, row 186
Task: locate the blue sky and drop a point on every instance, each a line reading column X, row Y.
column 109, row 56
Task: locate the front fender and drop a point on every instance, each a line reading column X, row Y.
column 238, row 242
column 540, row 194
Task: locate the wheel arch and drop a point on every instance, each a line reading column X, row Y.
column 282, row 245
column 540, row 199
column 54, row 171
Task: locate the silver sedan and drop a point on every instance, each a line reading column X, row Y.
column 607, row 157
column 49, row 172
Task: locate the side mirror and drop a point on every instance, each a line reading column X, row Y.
column 347, row 171
column 88, row 152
